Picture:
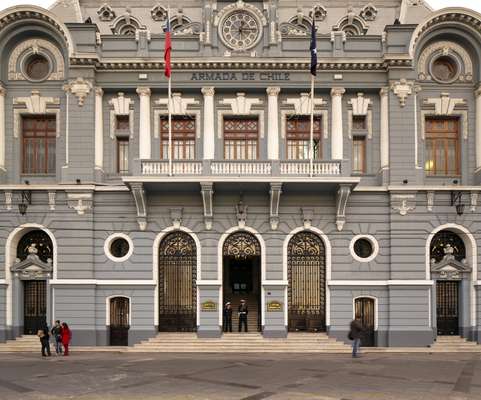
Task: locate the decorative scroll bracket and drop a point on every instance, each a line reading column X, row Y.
column 275, row 196
column 8, row 200
column 403, row 203
column 51, row 200
column 430, row 200
column 207, row 193
column 307, row 216
column 176, row 217
column 80, row 202
column 343, row 194
column 474, row 201
column 140, row 203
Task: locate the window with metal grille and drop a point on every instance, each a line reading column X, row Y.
column 241, row 136
column 123, row 155
column 359, row 122
column 442, row 151
column 183, row 137
column 38, row 144
column 359, row 154
column 298, row 132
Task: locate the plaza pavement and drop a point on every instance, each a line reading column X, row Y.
column 119, row 376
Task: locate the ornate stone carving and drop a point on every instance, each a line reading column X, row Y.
column 140, row 199
column 178, row 104
column 474, row 201
column 121, row 104
column 32, row 267
column 241, row 214
column 302, row 105
column 51, row 200
column 307, row 216
column 318, row 12
column 36, row 104
column 403, row 208
column 241, row 105
column 444, row 105
column 430, row 200
column 176, row 217
column 360, row 104
column 241, row 245
column 8, row 200
column 158, row 13
column 80, row 202
column 445, row 48
column 402, row 89
column 207, row 195
column 342, row 196
column 36, row 46
column 80, row 88
column 369, row 12
column 275, row 196
column 106, row 13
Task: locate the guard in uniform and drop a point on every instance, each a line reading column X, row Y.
column 243, row 311
column 227, row 317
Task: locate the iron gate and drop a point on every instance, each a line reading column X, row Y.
column 307, row 282
column 35, row 306
column 119, row 321
column 177, row 276
column 364, row 309
column 447, row 309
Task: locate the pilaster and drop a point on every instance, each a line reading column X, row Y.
column 273, row 123
column 478, row 136
column 144, row 123
column 3, row 93
column 337, row 152
column 384, row 145
column 99, row 135
column 209, row 130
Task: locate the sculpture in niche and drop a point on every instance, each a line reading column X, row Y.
column 106, row 13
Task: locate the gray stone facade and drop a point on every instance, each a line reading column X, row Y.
column 375, row 60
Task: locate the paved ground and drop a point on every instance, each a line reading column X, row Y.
column 240, row 377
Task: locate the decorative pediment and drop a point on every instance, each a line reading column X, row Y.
column 444, row 105
column 32, row 267
column 36, row 104
column 178, row 104
column 121, row 104
column 241, row 105
column 360, row 105
column 302, row 105
column 450, row 268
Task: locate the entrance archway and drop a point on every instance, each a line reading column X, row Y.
column 177, row 289
column 306, row 274
column 119, row 320
column 241, row 263
column 451, row 272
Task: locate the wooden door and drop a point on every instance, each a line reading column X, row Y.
column 119, row 321
column 365, row 311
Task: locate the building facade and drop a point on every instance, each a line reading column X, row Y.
column 100, row 228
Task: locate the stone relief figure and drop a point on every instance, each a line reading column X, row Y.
column 32, row 249
column 448, row 252
column 241, row 213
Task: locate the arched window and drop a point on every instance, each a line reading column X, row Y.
column 241, row 245
column 443, row 243
column 177, row 276
column 35, row 242
column 306, row 272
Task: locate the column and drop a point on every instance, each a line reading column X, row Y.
column 99, row 130
column 273, row 123
column 384, row 93
column 336, row 124
column 144, row 123
column 478, row 128
column 209, row 131
column 3, row 93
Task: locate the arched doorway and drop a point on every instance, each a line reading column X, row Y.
column 119, row 321
column 177, row 289
column 450, row 271
column 241, row 260
column 306, row 274
column 33, row 266
column 364, row 309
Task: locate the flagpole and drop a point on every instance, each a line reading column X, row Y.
column 311, row 144
column 169, row 107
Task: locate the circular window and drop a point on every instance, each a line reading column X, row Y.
column 37, row 67
column 118, row 247
column 364, row 248
column 444, row 69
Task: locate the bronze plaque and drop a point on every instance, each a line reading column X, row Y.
column 208, row 305
column 274, row 305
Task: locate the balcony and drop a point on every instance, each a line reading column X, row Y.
column 240, row 168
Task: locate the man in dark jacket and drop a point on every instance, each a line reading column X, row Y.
column 57, row 335
column 243, row 311
column 355, row 334
column 43, row 334
column 227, row 317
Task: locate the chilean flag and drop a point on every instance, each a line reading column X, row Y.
column 168, row 49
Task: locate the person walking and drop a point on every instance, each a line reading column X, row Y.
column 43, row 335
column 227, row 317
column 66, row 337
column 242, row 312
column 57, row 335
column 355, row 334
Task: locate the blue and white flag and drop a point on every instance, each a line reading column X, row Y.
column 313, row 49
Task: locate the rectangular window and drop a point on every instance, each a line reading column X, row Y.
column 38, row 144
column 123, row 155
column 358, row 154
column 298, row 132
column 241, row 138
column 359, row 122
column 442, row 156
column 183, row 137
column 122, row 123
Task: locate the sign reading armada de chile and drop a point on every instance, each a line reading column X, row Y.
column 240, row 76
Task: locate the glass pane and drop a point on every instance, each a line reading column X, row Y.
column 41, row 157
column 440, row 157
column 452, row 165
column 429, row 158
column 51, row 156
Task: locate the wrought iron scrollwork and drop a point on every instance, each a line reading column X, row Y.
column 445, row 240
column 36, row 241
column 241, row 245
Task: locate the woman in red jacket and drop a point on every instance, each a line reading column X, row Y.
column 66, row 337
